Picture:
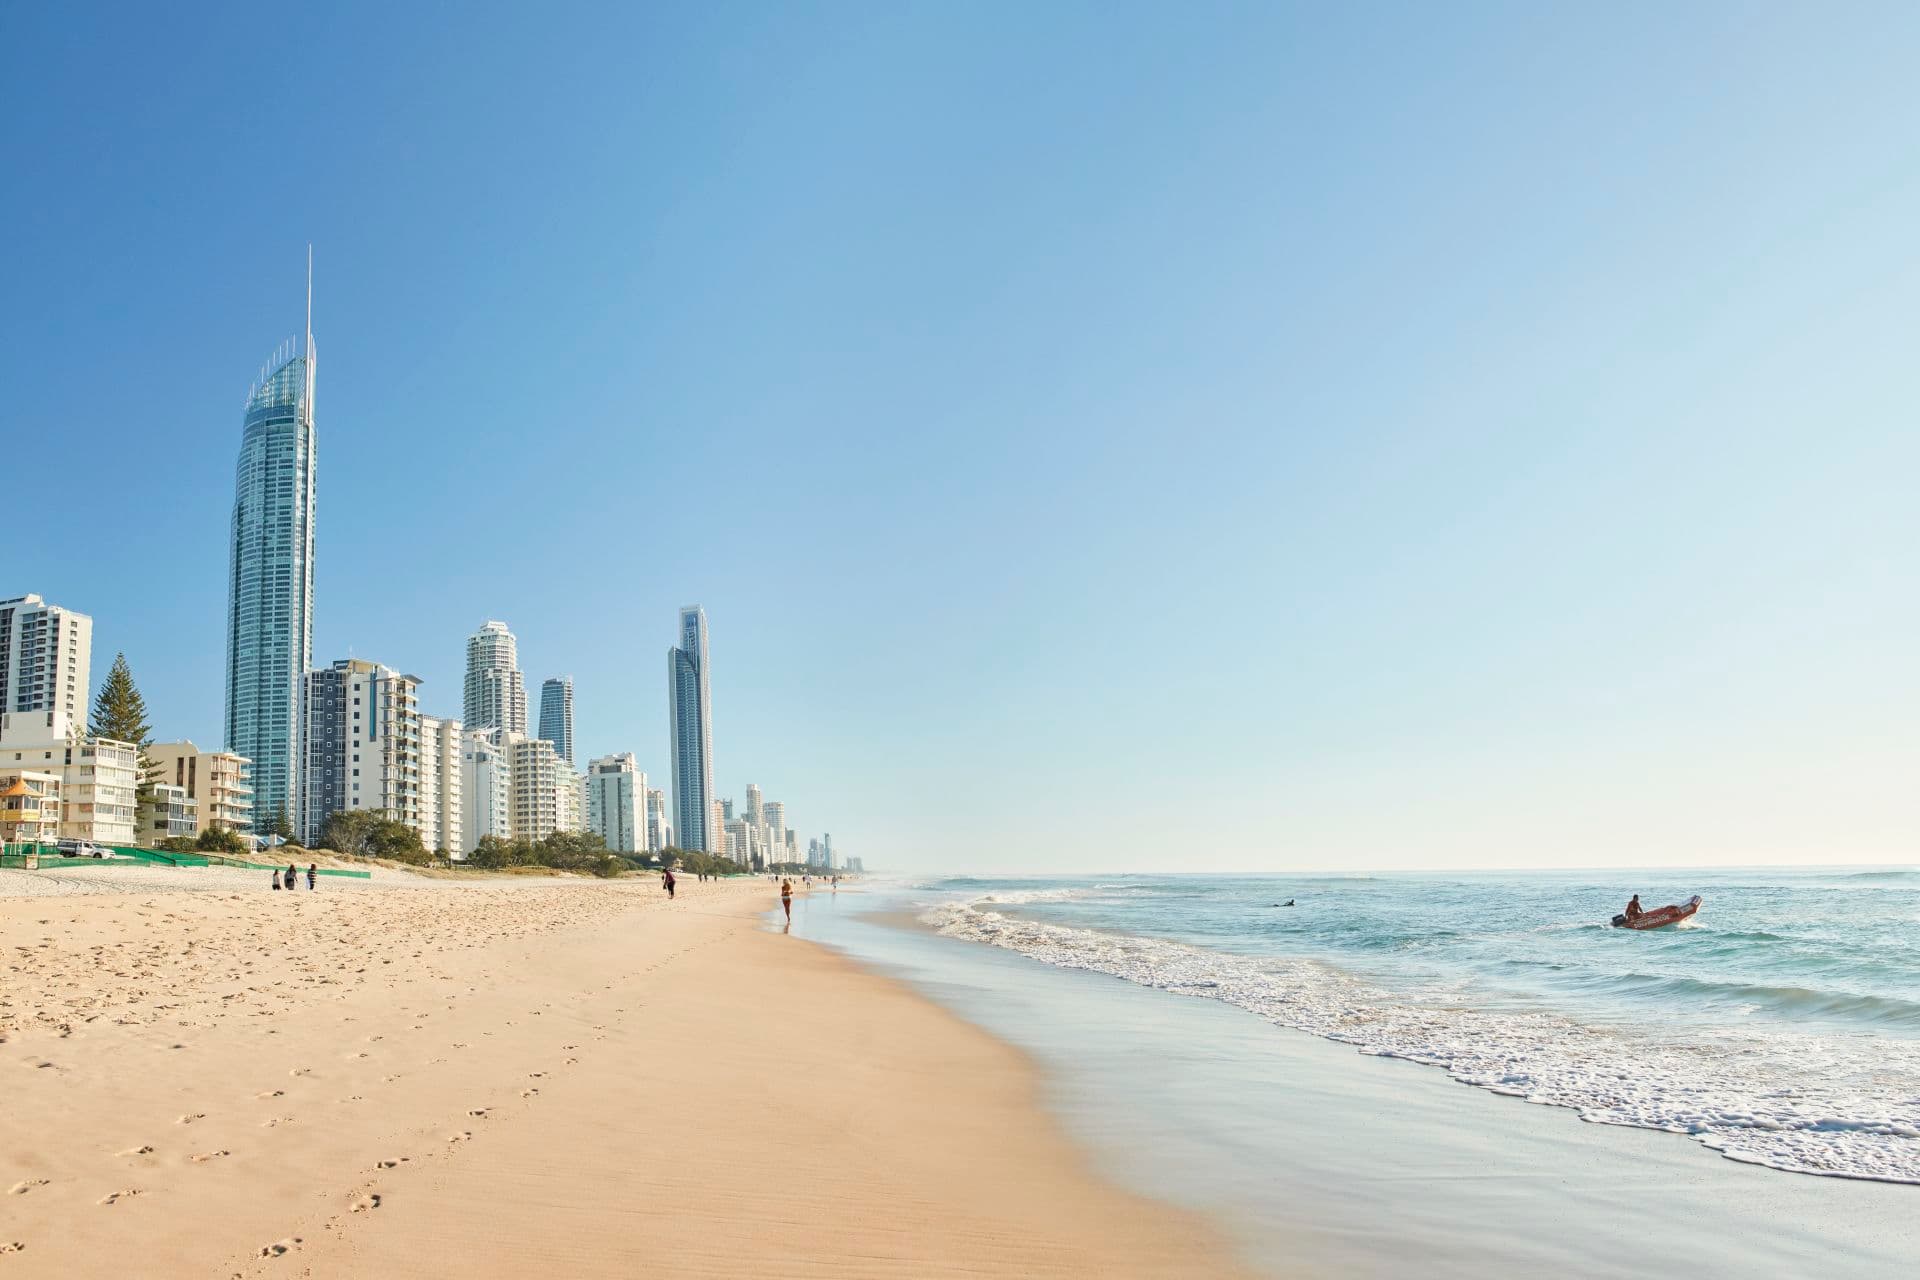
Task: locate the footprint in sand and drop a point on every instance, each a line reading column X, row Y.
column 367, row 1203
column 479, row 1111
column 116, row 1196
column 271, row 1093
column 12, row 1246
column 391, row 1164
column 137, row 1151
column 280, row 1247
column 529, row 1093
column 198, row 1115
column 462, row 1136
column 205, row 1156
column 301, row 1071
column 21, row 1188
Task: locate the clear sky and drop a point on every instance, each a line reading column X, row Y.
column 1101, row 435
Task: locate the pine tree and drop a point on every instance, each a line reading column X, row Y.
column 119, row 712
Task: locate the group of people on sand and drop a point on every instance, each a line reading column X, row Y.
column 786, row 888
column 292, row 877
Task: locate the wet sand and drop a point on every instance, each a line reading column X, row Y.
column 499, row 1078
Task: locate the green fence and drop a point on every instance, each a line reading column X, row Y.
column 18, row 856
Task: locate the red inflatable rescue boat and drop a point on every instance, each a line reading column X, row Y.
column 1659, row 917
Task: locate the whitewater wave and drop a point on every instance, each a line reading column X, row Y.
column 1790, row 1102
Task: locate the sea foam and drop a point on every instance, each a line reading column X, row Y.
column 1826, row 1105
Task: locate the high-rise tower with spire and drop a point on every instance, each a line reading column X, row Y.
column 270, row 575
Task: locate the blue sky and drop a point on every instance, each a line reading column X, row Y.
column 1130, row 435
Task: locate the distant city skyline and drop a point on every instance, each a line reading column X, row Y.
column 1266, row 437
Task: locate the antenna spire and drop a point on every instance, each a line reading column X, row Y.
column 309, row 299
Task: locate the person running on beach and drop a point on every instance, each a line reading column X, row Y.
column 1633, row 911
column 667, row 880
column 786, row 898
column 313, row 873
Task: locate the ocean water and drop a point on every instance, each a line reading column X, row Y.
column 1780, row 1027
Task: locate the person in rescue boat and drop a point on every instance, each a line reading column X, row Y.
column 1633, row 911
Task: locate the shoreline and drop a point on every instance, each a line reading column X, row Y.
column 496, row 1077
column 1320, row 1158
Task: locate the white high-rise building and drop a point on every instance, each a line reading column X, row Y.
column 443, row 826
column 545, row 793
column 46, row 653
column 496, row 696
column 740, row 841
column 616, row 792
column 486, row 788
column 360, row 745
column 690, row 718
column 773, row 829
column 659, row 827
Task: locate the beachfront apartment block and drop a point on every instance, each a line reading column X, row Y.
column 29, row 807
column 486, row 784
column 773, row 830
column 361, row 746
column 99, row 779
column 218, row 782
column 496, row 695
column 616, row 794
column 443, row 827
column 169, row 814
column 543, row 792
column 690, row 725
column 659, row 826
column 556, row 715
column 46, row 653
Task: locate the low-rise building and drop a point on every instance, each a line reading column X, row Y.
column 29, row 807
column 99, row 791
column 169, row 813
column 217, row 781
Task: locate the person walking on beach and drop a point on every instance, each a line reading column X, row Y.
column 276, row 877
column 667, row 880
column 293, row 877
column 313, row 874
column 786, row 899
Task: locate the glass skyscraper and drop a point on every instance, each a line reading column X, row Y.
column 691, row 716
column 270, row 577
column 556, row 716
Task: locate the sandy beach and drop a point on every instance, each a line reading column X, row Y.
column 504, row 1077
